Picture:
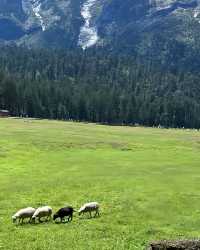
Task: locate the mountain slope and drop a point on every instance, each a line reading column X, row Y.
column 165, row 30
column 40, row 23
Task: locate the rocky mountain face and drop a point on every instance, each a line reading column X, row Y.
column 142, row 26
column 52, row 23
column 167, row 30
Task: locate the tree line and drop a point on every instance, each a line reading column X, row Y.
column 97, row 86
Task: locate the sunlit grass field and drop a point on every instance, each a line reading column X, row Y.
column 147, row 181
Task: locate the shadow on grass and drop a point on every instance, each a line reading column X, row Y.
column 89, row 218
column 24, row 224
column 62, row 222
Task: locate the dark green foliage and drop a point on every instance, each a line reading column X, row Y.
column 97, row 86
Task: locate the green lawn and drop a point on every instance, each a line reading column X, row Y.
column 147, row 181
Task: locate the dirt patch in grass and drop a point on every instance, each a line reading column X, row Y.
column 175, row 245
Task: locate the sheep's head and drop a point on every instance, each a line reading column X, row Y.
column 33, row 219
column 14, row 218
column 55, row 216
column 80, row 211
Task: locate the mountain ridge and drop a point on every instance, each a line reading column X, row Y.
column 166, row 31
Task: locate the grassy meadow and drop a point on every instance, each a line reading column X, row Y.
column 147, row 181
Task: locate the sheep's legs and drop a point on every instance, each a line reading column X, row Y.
column 97, row 213
column 21, row 221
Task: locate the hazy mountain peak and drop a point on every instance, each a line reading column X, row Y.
column 85, row 23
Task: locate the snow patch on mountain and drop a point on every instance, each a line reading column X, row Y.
column 88, row 33
column 197, row 11
column 36, row 7
column 161, row 4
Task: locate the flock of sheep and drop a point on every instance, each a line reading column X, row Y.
column 46, row 212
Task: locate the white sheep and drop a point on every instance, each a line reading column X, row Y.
column 89, row 207
column 23, row 214
column 41, row 212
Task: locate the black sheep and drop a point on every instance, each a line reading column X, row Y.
column 64, row 212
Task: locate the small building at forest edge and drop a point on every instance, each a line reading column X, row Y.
column 4, row 113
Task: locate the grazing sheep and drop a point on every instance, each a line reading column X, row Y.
column 23, row 214
column 89, row 207
column 64, row 212
column 41, row 212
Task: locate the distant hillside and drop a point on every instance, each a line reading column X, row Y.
column 97, row 86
